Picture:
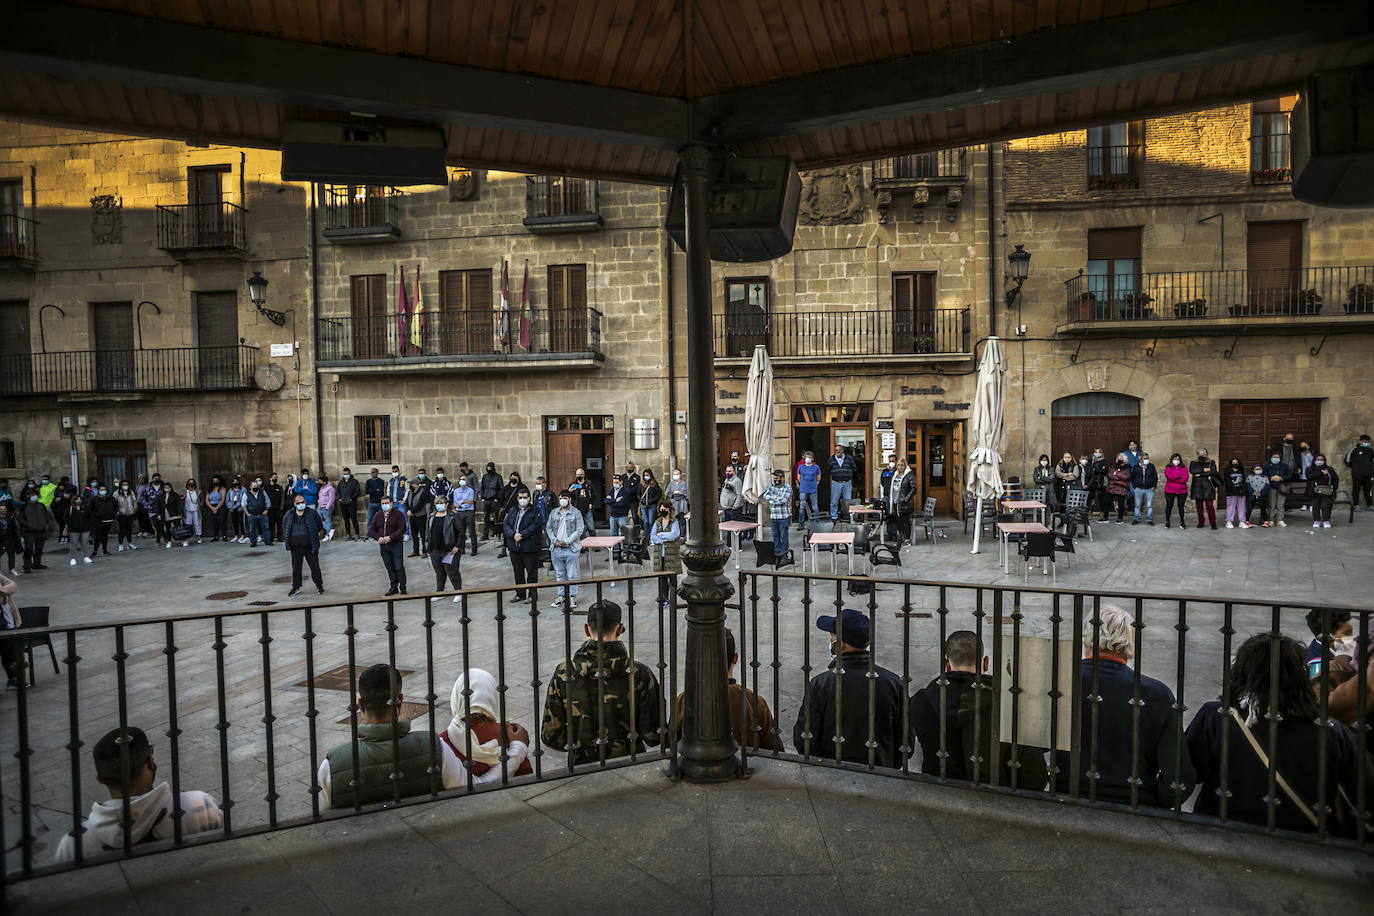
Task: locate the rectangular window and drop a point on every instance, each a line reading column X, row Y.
column 1271, row 147
column 1274, row 276
column 913, row 313
column 7, row 456
column 1113, row 271
column 212, row 225
column 1114, row 153
column 466, row 324
column 567, row 309
column 746, row 316
column 374, row 438
column 371, row 321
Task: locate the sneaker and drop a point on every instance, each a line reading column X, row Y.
column 72, row 562
column 1307, row 508
column 457, row 599
column 86, row 559
column 1246, row 525
column 198, row 541
column 1326, row 524
column 1316, row 524
column 557, row 602
column 1264, row 524
column 389, row 592
column 132, row 547
column 187, row 543
column 1166, row 525
column 14, row 572
column 1230, row 525
column 1282, row 524
column 320, row 589
column 119, row 549
column 168, row 545
column 293, row 593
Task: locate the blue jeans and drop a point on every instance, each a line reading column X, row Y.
column 618, row 523
column 565, row 567
column 648, row 515
column 259, row 530
column 1145, row 499
column 372, row 509
column 839, row 490
column 324, row 518
column 780, row 526
column 588, row 523
column 807, row 508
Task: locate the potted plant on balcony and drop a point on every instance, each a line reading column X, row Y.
column 1193, row 308
column 1087, row 306
column 1359, row 299
column 925, row 343
column 1240, row 310
column 1135, row 306
column 1306, row 302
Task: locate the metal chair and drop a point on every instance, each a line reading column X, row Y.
column 1064, row 543
column 37, row 618
column 819, row 527
column 1038, row 547
column 885, row 555
column 1076, row 511
column 989, row 516
column 926, row 522
column 764, row 556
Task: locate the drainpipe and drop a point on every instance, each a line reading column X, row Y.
column 672, row 360
column 312, row 312
column 993, row 275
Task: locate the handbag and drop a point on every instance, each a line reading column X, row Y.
column 182, row 532
column 1322, row 489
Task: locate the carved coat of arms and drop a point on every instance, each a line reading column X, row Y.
column 833, row 196
column 464, row 184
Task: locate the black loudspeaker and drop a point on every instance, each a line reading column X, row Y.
column 339, row 152
column 753, row 208
column 1333, row 139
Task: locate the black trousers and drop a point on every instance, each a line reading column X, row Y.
column 1365, row 485
column 8, row 550
column 446, row 572
column 467, row 530
column 1175, row 499
column 525, row 564
column 33, row 550
column 216, row 523
column 394, row 559
column 299, row 554
column 126, row 528
column 349, row 512
column 100, row 536
column 145, row 521
column 490, row 527
column 419, row 528
column 274, row 522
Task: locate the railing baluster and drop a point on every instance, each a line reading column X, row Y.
column 464, row 623
column 393, row 703
column 807, row 733
column 673, row 770
column 312, row 713
column 977, row 760
column 536, row 736
column 1271, row 800
column 1180, row 707
column 633, row 735
column 501, row 683
column 742, row 646
column 74, row 745
column 1138, row 625
column 1323, row 723
column 435, row 769
column 356, row 783
column 1015, row 760
column 1223, row 784
column 268, row 719
column 942, row 679
column 222, row 726
column 1363, row 657
column 173, row 728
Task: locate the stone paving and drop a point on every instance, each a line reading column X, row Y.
column 1296, row 565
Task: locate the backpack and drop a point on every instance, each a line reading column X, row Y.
column 857, row 586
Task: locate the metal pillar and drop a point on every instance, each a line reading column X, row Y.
column 707, row 751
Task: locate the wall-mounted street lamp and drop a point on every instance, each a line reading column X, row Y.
column 42, row 338
column 138, row 312
column 1020, row 269
column 257, row 291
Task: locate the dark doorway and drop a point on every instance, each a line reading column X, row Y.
column 1250, row 428
column 113, row 326
column 16, row 351
column 1080, row 423
column 120, row 459
column 244, row 460
column 217, row 339
column 729, row 438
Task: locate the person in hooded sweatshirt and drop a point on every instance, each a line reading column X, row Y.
column 150, row 806
column 476, row 719
column 577, row 712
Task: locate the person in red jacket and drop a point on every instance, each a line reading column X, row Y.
column 1119, row 486
column 476, row 733
column 388, row 529
column 1175, row 490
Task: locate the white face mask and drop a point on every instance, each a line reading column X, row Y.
column 677, row 475
column 347, row 476
column 523, row 501
column 1145, row 461
column 439, row 476
column 440, row 507
column 538, row 487
column 808, row 461
column 563, row 501
column 386, row 507
column 1045, row 464
column 1344, row 645
column 892, row 464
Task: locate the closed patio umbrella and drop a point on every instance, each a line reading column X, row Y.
column 985, row 433
column 758, row 434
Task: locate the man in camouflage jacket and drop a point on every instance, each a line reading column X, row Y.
column 570, row 706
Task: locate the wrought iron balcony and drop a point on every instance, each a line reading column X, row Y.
column 462, row 337
column 915, row 176
column 361, row 214
column 812, row 334
column 556, row 204
column 1219, row 295
column 18, row 241
column 1113, row 168
column 191, row 229
column 129, row 371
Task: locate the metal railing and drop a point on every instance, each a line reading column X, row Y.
column 1114, row 167
column 945, row 163
column 1271, row 157
column 170, row 369
column 360, row 207
column 553, row 198
column 455, row 332
column 1056, row 715
column 1198, row 294
column 17, row 237
column 282, row 681
column 842, row 333
column 190, row 227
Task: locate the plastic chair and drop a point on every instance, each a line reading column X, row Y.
column 764, row 556
column 819, row 527
column 885, row 555
column 1038, row 547
column 36, row 618
column 926, row 522
column 1075, row 511
column 1063, row 543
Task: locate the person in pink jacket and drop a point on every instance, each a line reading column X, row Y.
column 325, row 505
column 1175, row 490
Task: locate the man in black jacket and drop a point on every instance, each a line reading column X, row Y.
column 841, row 467
column 257, row 506
column 522, row 529
column 490, row 492
column 1144, row 480
column 816, row 733
column 373, row 489
column 1360, row 460
column 104, row 511
column 349, row 491
column 1165, row 771
column 276, row 495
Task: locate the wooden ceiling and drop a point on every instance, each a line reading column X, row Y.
column 613, row 88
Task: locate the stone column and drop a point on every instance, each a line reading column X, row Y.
column 707, row 751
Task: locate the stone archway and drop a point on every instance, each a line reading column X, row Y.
column 1156, row 401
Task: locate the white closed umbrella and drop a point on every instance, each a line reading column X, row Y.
column 758, row 432
column 986, row 432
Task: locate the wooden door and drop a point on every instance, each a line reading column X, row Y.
column 466, row 321
column 567, row 308
column 1080, row 435
column 730, row 438
column 958, row 465
column 16, row 351
column 210, row 224
column 913, row 313
column 120, row 459
column 113, row 325
column 370, row 320
column 1249, row 428
column 932, row 457
column 217, row 340
column 562, row 457
column 244, row 460
column 1273, row 259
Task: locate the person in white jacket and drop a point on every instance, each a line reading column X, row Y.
column 150, row 806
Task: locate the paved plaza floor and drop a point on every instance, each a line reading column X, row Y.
column 1293, row 566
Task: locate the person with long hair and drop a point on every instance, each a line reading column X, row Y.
column 1175, row 491
column 650, row 495
column 191, row 508
column 1234, row 484
column 1240, row 735
column 1324, row 481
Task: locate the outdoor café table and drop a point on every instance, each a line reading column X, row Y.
column 610, row 543
column 1025, row 505
column 863, row 513
column 734, row 529
column 1006, row 528
column 834, row 539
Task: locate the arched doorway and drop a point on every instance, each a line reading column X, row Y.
column 1096, row 419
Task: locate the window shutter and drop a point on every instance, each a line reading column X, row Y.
column 577, row 286
column 1273, row 246
column 1112, row 244
column 557, row 288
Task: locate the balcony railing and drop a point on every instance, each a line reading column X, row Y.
column 219, row 226
column 18, row 240
column 361, row 213
column 557, row 204
column 114, row 371
column 945, row 163
column 459, row 333
column 843, row 333
column 1114, row 167
column 1271, row 158
column 1208, row 294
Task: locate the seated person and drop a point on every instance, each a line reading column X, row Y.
column 758, row 718
column 577, row 711
column 1337, row 646
column 968, row 697
column 150, row 806
column 477, row 718
column 1161, row 784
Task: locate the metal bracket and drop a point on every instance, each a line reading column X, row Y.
column 1318, row 348
column 1150, row 350
column 1226, row 354
column 1073, row 357
column 272, row 315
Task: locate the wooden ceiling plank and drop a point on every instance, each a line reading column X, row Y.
column 980, row 16
column 657, row 54
column 615, row 30
column 438, row 35
column 960, row 23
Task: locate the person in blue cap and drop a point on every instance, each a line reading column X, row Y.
column 841, row 694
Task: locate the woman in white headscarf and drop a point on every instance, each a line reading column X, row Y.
column 475, row 719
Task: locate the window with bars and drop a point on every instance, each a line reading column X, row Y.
column 374, row 438
column 1114, row 153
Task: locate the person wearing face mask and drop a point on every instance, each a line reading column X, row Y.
column 170, row 516
column 1067, row 475
column 1097, row 483
column 441, row 486
column 820, row 720
column 1360, row 460
column 10, row 545
column 886, row 474
column 665, row 539
column 565, row 530
column 1206, row 480
column 1043, row 477
column 36, row 524
column 1175, row 491
column 327, row 495
column 544, row 501
column 618, row 506
column 523, row 531
column 388, row 529
column 216, row 514
column 147, row 493
column 1256, row 494
column 676, row 493
column 650, row 495
column 779, row 499
column 1144, row 480
column 632, row 481
column 238, row 523
column 444, row 542
column 1340, row 641
column 900, row 502
column 509, row 494
column 1279, row 474
column 256, row 506
column 193, row 508
column 374, row 488
column 490, row 492
column 126, row 513
column 277, row 508
column 302, row 530
column 349, row 491
column 731, row 495
column 77, row 530
column 417, row 504
column 808, row 476
column 841, row 468
column 104, row 511
column 735, row 463
column 1323, row 481
column 1118, row 486
column 463, row 504
column 584, row 498
column 1234, row 484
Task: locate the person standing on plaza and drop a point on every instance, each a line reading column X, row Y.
column 1176, row 491
column 632, row 483
column 1324, row 480
column 1206, row 480
column 1067, row 475
column 169, row 512
column 1360, row 460
column 650, row 495
column 841, row 468
column 238, row 530
column 676, row 494
column 735, row 463
column 104, row 511
column 779, row 499
column 565, row 530
column 1233, row 482
column 36, row 524
column 618, row 506
column 306, row 486
column 1256, row 494
column 193, row 508
column 442, row 486
column 444, row 544
column 584, row 498
column 417, row 505
column 325, row 498
column 731, row 494
column 1097, row 483
column 276, row 497
column 1144, row 480
column 523, row 541
column 1042, row 476
column 374, row 489
column 899, row 500
column 388, row 529
column 256, row 506
column 1118, row 486
column 148, row 491
column 665, row 543
column 10, row 546
column 490, row 493
column 544, row 501
column 808, row 489
column 126, row 504
column 464, row 506
column 216, row 509
column 47, row 491
column 1279, row 474
column 349, row 491
column 77, row 530
column 509, row 494
column 301, row 530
